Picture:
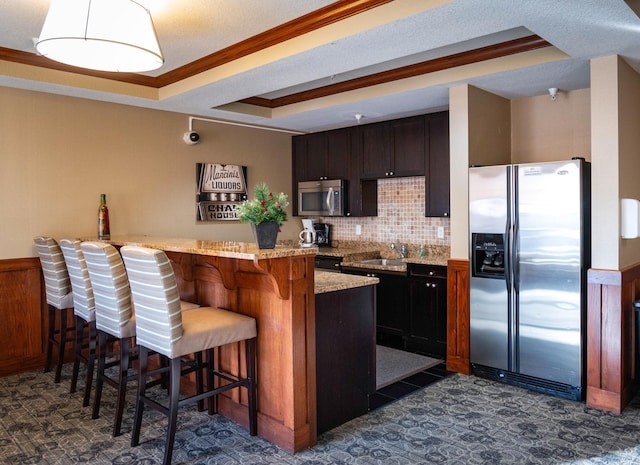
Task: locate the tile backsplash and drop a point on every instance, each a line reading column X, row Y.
column 400, row 217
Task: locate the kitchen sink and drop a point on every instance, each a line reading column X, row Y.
column 383, row 262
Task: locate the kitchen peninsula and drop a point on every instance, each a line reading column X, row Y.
column 277, row 288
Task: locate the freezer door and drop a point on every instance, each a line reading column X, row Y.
column 547, row 242
column 489, row 296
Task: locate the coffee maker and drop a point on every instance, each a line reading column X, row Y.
column 323, row 234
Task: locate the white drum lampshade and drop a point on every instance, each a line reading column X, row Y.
column 103, row 35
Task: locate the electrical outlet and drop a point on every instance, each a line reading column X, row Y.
column 358, row 229
column 440, row 232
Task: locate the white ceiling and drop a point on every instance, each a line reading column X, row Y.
column 392, row 35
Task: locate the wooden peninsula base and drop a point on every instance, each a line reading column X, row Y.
column 276, row 287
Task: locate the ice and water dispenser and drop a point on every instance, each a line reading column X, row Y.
column 488, row 255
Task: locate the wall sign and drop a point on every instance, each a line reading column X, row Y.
column 219, row 191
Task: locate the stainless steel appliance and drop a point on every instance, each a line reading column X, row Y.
column 530, row 250
column 322, row 198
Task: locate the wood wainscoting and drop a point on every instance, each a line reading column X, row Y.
column 458, row 316
column 611, row 356
column 23, row 310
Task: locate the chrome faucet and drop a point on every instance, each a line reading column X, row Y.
column 402, row 250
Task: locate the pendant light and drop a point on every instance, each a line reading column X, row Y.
column 103, row 35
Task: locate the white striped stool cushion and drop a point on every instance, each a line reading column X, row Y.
column 114, row 313
column 156, row 298
column 56, row 278
column 83, row 301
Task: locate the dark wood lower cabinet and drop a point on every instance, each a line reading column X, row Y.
column 345, row 355
column 392, row 314
column 427, row 309
column 412, row 308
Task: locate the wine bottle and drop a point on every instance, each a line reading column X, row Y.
column 103, row 218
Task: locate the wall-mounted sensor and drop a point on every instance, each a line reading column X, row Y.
column 191, row 137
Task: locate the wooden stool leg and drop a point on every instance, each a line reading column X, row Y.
column 102, row 356
column 50, row 338
column 213, row 400
column 125, row 350
column 174, row 397
column 143, row 357
column 91, row 358
column 199, row 379
column 251, row 354
column 78, row 353
column 62, row 338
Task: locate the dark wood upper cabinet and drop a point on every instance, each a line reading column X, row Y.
column 437, row 182
column 316, row 156
column 321, row 155
column 338, row 154
column 413, row 146
column 375, row 144
column 409, row 146
column 393, row 148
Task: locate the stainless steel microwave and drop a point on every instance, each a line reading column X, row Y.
column 322, row 198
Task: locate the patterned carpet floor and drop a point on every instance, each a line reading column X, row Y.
column 458, row 420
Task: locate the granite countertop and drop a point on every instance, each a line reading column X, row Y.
column 327, row 281
column 227, row 249
column 349, row 254
column 351, row 257
column 432, row 260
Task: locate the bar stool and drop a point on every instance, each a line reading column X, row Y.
column 114, row 317
column 163, row 328
column 59, row 299
column 115, row 320
column 85, row 311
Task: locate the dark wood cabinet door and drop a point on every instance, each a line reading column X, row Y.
column 437, row 182
column 392, row 292
column 376, row 151
column 409, row 146
column 337, row 160
column 316, row 156
column 428, row 311
column 392, row 305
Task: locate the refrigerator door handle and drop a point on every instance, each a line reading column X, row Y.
column 515, row 255
column 507, row 256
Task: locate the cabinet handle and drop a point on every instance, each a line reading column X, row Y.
column 431, row 273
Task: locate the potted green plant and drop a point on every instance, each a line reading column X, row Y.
column 265, row 213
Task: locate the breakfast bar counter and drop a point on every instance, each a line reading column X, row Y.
column 276, row 287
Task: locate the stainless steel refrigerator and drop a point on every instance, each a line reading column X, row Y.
column 530, row 250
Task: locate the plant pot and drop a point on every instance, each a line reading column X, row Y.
column 265, row 234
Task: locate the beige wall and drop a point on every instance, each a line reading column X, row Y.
column 59, row 154
column 459, row 170
column 550, row 130
column 489, row 128
column 480, row 135
column 629, row 146
column 605, row 163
